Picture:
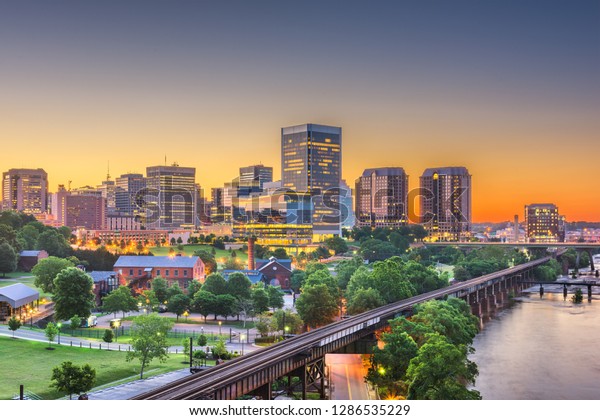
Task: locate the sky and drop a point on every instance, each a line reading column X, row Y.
column 509, row 89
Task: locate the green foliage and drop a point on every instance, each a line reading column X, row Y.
column 202, row 340
column 100, row 259
column 119, row 299
column 313, row 267
column 73, row 379
column 14, row 324
column 215, row 284
column 238, row 285
column 364, row 300
column 178, row 304
column 323, row 277
column 316, row 305
column 297, row 279
column 198, row 356
column 336, row 244
column 293, row 322
column 233, row 264
column 75, row 322
column 149, row 339
column 51, row 331
column 440, row 371
column 53, row 243
column 263, row 325
column 28, row 236
column 8, row 258
column 173, row 291
column 275, row 297
column 451, row 318
column 219, row 350
column 108, row 336
column 577, row 298
column 147, row 299
column 160, row 287
column 73, row 294
column 378, row 250
column 225, row 305
column 193, row 287
column 204, row 303
column 186, row 346
column 345, row 269
column 8, row 235
column 46, row 271
column 387, row 277
column 280, row 254
column 260, row 299
column 210, row 263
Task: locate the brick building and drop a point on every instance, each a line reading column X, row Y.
column 138, row 271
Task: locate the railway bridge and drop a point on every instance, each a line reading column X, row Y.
column 303, row 356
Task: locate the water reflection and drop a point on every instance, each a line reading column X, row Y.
column 540, row 349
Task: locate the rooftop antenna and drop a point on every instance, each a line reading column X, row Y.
column 70, row 185
column 165, row 160
column 108, row 172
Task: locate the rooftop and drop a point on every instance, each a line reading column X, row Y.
column 18, row 295
column 148, row 261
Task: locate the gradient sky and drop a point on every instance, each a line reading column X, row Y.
column 509, row 89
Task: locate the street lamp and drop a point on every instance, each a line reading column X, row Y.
column 59, row 325
column 186, row 314
column 220, row 322
column 243, row 338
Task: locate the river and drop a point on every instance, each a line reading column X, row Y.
column 540, row 349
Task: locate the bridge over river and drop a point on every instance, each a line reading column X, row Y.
column 302, row 356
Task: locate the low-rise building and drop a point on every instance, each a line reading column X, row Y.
column 138, row 271
column 277, row 272
column 28, row 259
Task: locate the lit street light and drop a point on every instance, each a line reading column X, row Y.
column 242, row 339
column 220, row 322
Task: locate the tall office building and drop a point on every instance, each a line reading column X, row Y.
column 543, row 223
column 311, row 162
column 382, row 198
column 25, row 190
column 446, row 203
column 59, row 204
column 252, row 179
column 85, row 211
column 171, row 199
column 108, row 190
column 128, row 186
column 348, row 217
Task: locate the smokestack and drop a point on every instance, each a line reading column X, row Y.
column 516, row 229
column 251, row 264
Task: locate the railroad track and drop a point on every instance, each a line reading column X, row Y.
column 200, row 384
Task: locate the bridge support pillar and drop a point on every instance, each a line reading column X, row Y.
column 589, row 293
column 589, row 251
column 314, row 378
column 264, row 392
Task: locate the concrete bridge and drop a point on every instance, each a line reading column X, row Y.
column 303, row 356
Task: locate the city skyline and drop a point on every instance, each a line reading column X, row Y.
column 509, row 91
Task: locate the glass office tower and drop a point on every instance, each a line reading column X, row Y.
column 311, row 161
column 171, row 201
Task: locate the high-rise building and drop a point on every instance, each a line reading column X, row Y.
column 85, row 211
column 252, row 179
column 59, row 204
column 108, row 190
column 446, row 203
column 171, row 198
column 348, row 217
column 543, row 223
column 311, row 162
column 382, row 198
column 128, row 186
column 25, row 190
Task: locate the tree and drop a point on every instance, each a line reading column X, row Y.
column 345, row 269
column 46, row 271
column 73, row 294
column 28, row 236
column 149, row 339
column 293, row 322
column 441, row 371
column 336, row 244
column 364, row 300
column 238, row 285
column 297, row 279
column 245, row 309
column 313, row 267
column 159, row 287
column 378, row 250
column 193, row 287
column 147, row 299
column 225, row 305
column 324, row 277
column 263, row 325
column 316, row 306
column 72, row 379
column 14, row 324
column 51, row 331
column 186, row 346
column 75, row 322
column 119, row 299
column 178, row 304
column 423, row 279
column 173, row 291
column 280, row 254
column 108, row 336
column 451, row 318
column 260, row 300
column 8, row 259
column 53, row 243
column 219, row 350
column 275, row 297
column 577, row 298
column 215, row 284
column 202, row 340
column 204, row 303
column 210, row 263
column 233, row 264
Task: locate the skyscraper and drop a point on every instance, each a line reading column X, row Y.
column 252, row 179
column 25, row 190
column 171, row 197
column 543, row 223
column 311, row 162
column 446, row 203
column 85, row 211
column 382, row 198
column 128, row 185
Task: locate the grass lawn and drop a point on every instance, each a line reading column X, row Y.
column 190, row 249
column 29, row 363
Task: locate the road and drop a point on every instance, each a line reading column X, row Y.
column 347, row 375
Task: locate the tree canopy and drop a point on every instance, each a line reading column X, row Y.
column 46, row 271
column 149, row 339
column 73, row 294
column 73, row 379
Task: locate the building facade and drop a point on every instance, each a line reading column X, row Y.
column 543, row 223
column 446, row 203
column 85, row 211
column 311, row 162
column 25, row 190
column 128, row 186
column 382, row 198
column 138, row 271
column 171, row 198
